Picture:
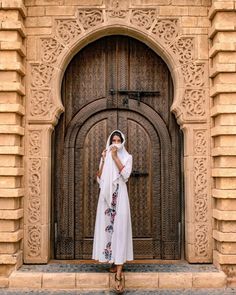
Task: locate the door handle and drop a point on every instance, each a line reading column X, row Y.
column 137, row 173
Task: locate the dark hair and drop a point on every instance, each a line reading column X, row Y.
column 118, row 134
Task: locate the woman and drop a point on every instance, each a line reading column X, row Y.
column 113, row 232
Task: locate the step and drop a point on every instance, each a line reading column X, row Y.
column 87, row 276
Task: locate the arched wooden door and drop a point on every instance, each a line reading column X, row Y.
column 108, row 85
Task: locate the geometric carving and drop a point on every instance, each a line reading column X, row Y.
column 166, row 30
column 183, row 48
column 34, row 143
column 90, row 17
column 200, row 142
column 50, row 49
column 67, row 30
column 194, row 102
column 193, row 74
column 40, row 102
column 143, row 18
column 41, row 75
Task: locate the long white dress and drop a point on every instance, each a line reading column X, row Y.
column 113, row 231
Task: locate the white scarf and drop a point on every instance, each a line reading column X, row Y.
column 110, row 171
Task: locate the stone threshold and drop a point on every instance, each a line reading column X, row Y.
column 78, row 275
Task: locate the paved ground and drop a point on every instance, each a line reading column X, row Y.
column 228, row 291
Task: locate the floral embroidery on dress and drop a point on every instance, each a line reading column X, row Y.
column 111, row 212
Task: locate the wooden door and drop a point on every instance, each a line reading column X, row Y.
column 94, row 107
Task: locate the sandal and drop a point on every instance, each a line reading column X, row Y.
column 113, row 268
column 119, row 283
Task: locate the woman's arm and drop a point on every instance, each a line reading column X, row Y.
column 99, row 172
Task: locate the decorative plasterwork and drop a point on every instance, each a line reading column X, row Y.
column 189, row 107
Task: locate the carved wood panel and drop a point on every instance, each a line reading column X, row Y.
column 117, row 63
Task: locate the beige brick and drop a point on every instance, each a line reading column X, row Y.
column 9, row 182
column 203, row 44
column 60, row 10
column 141, row 280
column 9, row 203
column 198, row 11
column 145, row 2
column 10, row 160
column 225, row 161
column 225, row 183
column 38, row 31
column 11, row 214
column 226, row 247
column 224, row 204
column 203, row 22
column 224, row 18
column 8, row 225
column 12, row 193
column 224, row 37
column 9, row 15
column 173, row 10
column 11, row 150
column 187, row 2
column 36, row 11
column 12, row 36
column 100, row 2
column 10, row 140
column 58, row 280
column 9, row 248
column 224, row 215
column 209, row 280
column 31, row 48
column 227, row 226
column 195, row 31
column 175, row 280
column 225, row 99
column 93, row 281
column 25, row 280
column 10, row 118
column 42, row 21
column 4, row 282
column 223, row 259
column 49, row 2
column 189, row 21
column 11, row 237
column 224, row 194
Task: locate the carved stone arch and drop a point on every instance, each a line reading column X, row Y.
column 190, row 105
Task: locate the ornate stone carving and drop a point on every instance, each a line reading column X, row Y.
column 194, row 102
column 166, row 30
column 193, row 75
column 34, row 195
column 143, row 17
column 117, row 13
column 35, row 143
column 90, row 17
column 34, row 240
column 67, row 30
column 200, row 142
column 41, row 102
column 183, row 48
column 201, row 240
column 41, row 75
column 50, row 49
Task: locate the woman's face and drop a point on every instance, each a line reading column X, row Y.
column 116, row 139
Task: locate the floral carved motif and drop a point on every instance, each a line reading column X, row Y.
column 117, row 13
column 35, row 143
column 200, row 204
column 90, row 18
column 193, row 75
column 200, row 142
column 34, row 240
column 34, row 195
column 166, row 30
column 194, row 102
column 67, row 30
column 201, row 240
column 143, row 18
column 50, row 50
column 41, row 102
column 183, row 48
column 41, row 75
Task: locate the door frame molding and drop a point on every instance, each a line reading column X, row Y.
column 190, row 106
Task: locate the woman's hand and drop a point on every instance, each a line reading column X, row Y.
column 104, row 154
column 114, row 152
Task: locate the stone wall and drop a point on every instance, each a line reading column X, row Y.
column 223, row 131
column 12, row 110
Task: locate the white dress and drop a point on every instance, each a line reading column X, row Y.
column 113, row 231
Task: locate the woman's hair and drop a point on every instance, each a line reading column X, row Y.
column 118, row 134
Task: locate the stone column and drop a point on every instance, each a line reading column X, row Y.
column 12, row 90
column 223, row 132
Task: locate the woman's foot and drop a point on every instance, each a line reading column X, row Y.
column 119, row 282
column 113, row 268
